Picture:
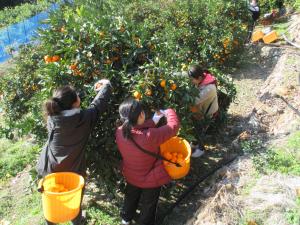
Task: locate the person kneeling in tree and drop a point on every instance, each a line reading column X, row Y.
column 206, row 104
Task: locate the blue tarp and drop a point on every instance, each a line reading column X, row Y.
column 22, row 33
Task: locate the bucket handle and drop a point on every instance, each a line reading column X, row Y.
column 41, row 186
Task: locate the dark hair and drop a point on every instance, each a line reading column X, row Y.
column 129, row 111
column 63, row 99
column 196, row 71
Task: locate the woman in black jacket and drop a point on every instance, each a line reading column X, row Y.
column 69, row 128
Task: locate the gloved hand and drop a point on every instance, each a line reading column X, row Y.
column 157, row 116
column 100, row 83
column 163, row 111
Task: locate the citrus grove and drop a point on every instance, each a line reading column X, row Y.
column 141, row 46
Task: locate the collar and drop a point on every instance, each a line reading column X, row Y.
column 70, row 112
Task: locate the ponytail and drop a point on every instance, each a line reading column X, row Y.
column 126, row 129
column 129, row 111
column 52, row 107
column 63, row 99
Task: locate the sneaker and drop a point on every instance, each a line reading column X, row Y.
column 197, row 153
column 124, row 222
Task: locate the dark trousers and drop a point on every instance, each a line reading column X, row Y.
column 78, row 220
column 148, row 199
column 200, row 128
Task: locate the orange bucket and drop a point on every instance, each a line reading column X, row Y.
column 177, row 145
column 61, row 196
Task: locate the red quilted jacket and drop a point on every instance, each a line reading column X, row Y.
column 139, row 168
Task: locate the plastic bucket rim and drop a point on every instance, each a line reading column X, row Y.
column 80, row 186
column 186, row 143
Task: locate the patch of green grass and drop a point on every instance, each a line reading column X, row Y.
column 251, row 146
column 293, row 215
column 21, row 208
column 283, row 161
column 29, row 209
column 297, row 5
column 99, row 215
column 15, row 156
column 284, row 158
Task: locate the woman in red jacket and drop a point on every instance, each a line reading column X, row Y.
column 144, row 173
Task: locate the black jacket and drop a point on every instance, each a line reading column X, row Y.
column 68, row 136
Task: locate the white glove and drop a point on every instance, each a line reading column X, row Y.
column 157, row 116
column 100, row 83
column 163, row 111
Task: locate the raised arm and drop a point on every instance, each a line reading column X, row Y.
column 159, row 135
column 100, row 102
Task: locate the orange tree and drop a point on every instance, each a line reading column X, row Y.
column 141, row 46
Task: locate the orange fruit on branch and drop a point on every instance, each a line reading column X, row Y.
column 193, row 109
column 55, row 58
column 163, row 83
column 137, row 95
column 173, row 87
column 47, row 58
column 148, row 92
column 73, row 67
column 101, row 34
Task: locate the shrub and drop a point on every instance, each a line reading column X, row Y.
column 135, row 44
column 267, row 5
column 16, row 14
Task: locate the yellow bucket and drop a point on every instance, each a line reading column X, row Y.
column 180, row 146
column 61, row 196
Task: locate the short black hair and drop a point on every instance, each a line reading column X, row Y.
column 196, row 71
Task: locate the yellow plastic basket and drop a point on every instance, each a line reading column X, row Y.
column 60, row 207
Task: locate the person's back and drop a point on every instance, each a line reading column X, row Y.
column 68, row 130
column 207, row 102
column 254, row 8
column 141, row 169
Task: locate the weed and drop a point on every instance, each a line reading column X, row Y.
column 251, row 146
column 293, row 215
column 284, row 158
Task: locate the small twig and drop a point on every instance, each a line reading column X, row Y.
column 288, row 104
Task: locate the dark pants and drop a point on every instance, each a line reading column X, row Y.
column 78, row 220
column 200, row 128
column 148, row 199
